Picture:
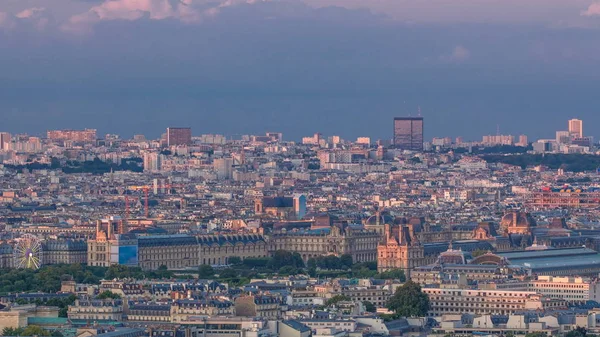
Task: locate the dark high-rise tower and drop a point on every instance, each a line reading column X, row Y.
column 408, row 133
column 179, row 136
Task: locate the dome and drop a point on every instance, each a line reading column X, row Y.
column 379, row 219
column 452, row 256
column 518, row 219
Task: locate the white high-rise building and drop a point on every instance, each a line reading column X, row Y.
column 576, row 128
column 563, row 137
column 224, row 168
column 152, row 161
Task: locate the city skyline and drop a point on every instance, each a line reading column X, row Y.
column 573, row 126
column 343, row 70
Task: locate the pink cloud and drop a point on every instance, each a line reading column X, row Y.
column 458, row 54
column 593, row 10
column 188, row 11
column 30, row 12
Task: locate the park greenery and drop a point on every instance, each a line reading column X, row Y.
column 239, row 272
column 336, row 299
column 95, row 166
column 48, row 278
column 107, row 294
column 409, row 301
column 31, row 330
column 568, row 162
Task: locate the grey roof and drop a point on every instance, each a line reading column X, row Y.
column 296, row 325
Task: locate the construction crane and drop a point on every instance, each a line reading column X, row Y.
column 146, row 189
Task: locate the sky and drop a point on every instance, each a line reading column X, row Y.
column 343, row 67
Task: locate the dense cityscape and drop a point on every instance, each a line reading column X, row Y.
column 258, row 236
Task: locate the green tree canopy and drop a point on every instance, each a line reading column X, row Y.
column 108, row 294
column 284, row 258
column 205, row 271
column 409, row 301
column 235, row 260
column 536, row 334
column 394, row 274
column 335, row 299
column 228, row 273
column 370, row 307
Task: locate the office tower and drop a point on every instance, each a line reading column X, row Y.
column 523, row 141
column 576, row 128
column 563, row 137
column 179, row 136
column 299, row 205
column 408, row 133
column 493, row 140
column 84, row 136
column 152, row 161
column 224, row 168
column 5, row 139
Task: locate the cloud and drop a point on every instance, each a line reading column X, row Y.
column 593, row 10
column 459, row 54
column 30, row 12
column 7, row 22
column 187, row 11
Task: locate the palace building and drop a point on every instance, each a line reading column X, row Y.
column 401, row 249
column 336, row 240
column 178, row 251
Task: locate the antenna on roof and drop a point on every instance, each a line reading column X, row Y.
column 419, row 110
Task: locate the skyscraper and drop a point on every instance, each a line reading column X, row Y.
column 408, row 133
column 179, row 136
column 576, row 128
column 5, row 139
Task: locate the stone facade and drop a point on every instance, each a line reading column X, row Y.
column 360, row 243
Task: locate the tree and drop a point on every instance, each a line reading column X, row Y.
column 235, row 260
column 12, row 331
column 205, row 271
column 256, row 262
column 536, row 334
column 284, row 258
column 335, row 299
column 578, row 332
column 108, row 294
column 370, row 307
column 394, row 274
column 478, row 252
column 228, row 273
column 34, row 330
column 288, row 270
column 409, row 301
column 346, row 261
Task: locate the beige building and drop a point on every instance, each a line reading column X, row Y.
column 177, row 251
column 182, row 310
column 570, row 289
column 481, row 302
column 361, row 244
column 265, row 306
column 96, row 310
column 17, row 315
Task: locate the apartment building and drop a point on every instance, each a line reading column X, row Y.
column 482, row 302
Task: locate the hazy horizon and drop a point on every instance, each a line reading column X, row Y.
column 298, row 67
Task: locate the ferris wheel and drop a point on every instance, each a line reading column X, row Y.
column 27, row 252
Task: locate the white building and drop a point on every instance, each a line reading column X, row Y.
column 570, row 289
